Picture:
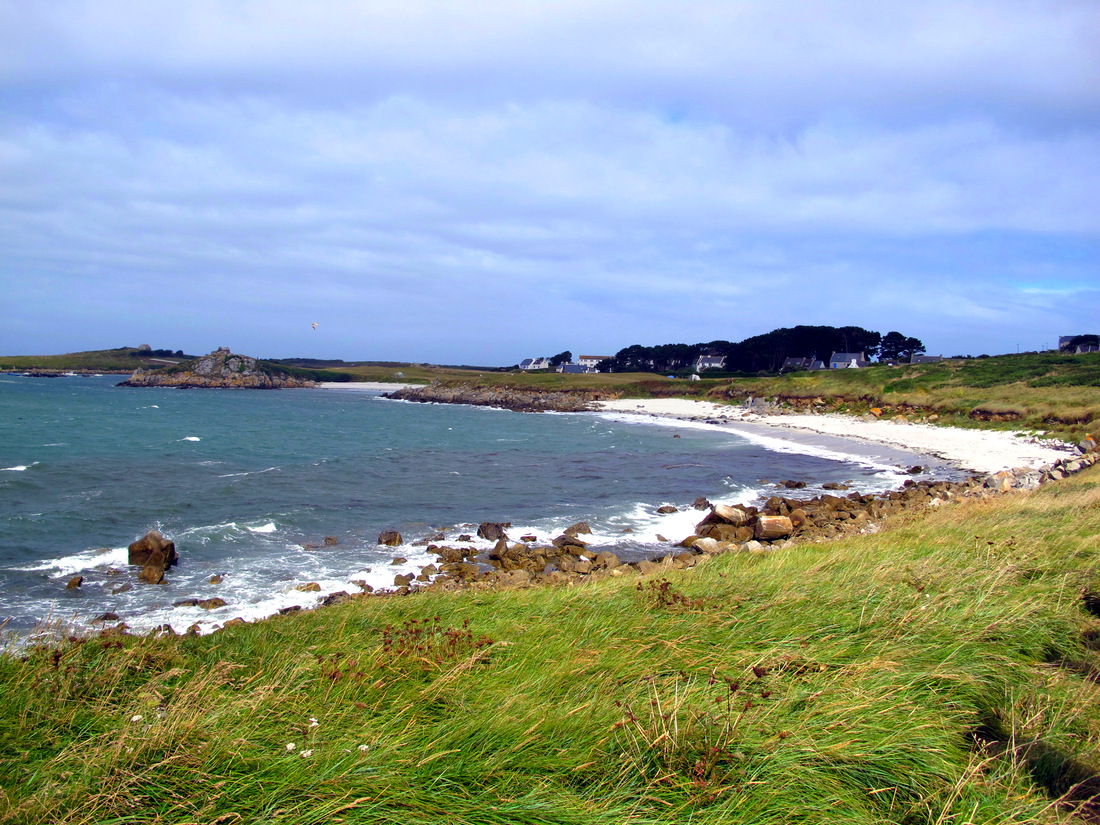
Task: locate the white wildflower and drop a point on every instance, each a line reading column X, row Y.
column 306, row 754
column 137, row 717
column 364, row 748
column 290, row 746
column 313, row 722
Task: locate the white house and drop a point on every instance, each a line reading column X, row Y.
column 847, row 360
column 535, row 364
column 710, row 362
column 592, row 360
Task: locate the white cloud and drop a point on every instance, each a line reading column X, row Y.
column 644, row 167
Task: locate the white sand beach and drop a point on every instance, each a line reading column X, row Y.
column 980, row 451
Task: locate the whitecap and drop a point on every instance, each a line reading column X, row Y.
column 18, row 468
column 86, row 560
column 263, row 528
column 191, row 438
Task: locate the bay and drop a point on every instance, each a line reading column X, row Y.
column 249, row 483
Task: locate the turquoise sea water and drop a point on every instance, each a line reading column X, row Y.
column 242, row 480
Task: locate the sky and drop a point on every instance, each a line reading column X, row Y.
column 483, row 181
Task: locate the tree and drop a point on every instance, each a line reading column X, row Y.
column 897, row 347
column 561, row 358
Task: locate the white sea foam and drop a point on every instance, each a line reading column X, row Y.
column 191, row 438
column 85, row 560
column 19, row 468
column 264, row 528
column 253, row 473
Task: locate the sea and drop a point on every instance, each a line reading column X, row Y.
column 250, row 483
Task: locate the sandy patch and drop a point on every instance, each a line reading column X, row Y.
column 980, row 451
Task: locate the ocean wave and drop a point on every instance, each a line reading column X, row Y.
column 190, row 438
column 85, row 560
column 252, row 473
column 18, row 468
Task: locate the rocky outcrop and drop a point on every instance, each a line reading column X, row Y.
column 525, row 400
column 221, row 369
column 155, row 554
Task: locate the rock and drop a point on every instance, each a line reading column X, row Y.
column 398, row 560
column 331, row 541
column 105, row 617
column 605, row 560
column 493, row 530
column 309, row 587
column 794, row 485
column 665, row 509
column 215, row 579
column 219, row 369
column 403, row 579
column 74, row 583
column 645, row 567
column 294, row 608
column 211, row 604
column 513, row 578
column 529, row 538
column 153, row 548
column 186, row 603
column 705, row 545
column 730, row 515
column 580, row 528
column 364, row 586
column 390, row 538
column 701, row 504
column 122, row 588
column 571, row 544
column 834, row 485
column 335, row 598
column 236, row 621
column 915, row 470
column 769, row 528
column 151, row 574
column 661, row 538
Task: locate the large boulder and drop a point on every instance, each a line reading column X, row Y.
column 769, row 528
column 390, row 538
column 493, row 530
column 153, row 548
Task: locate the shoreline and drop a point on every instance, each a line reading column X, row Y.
column 976, row 451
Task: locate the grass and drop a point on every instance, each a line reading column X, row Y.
column 941, row 671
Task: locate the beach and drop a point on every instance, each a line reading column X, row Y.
column 978, row 451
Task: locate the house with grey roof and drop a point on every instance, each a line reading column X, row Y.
column 847, row 360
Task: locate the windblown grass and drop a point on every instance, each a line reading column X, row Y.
column 941, row 671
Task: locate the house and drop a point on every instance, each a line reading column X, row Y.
column 847, row 360
column 710, row 362
column 925, row 359
column 1066, row 344
column 535, row 364
column 592, row 360
column 796, row 364
column 574, row 369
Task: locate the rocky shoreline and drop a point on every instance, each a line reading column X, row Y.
column 508, row 398
column 779, row 523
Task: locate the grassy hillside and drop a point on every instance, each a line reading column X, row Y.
column 121, row 359
column 941, row 671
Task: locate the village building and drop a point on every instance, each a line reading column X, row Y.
column 535, row 364
column 847, row 360
column 592, row 361
column 710, row 362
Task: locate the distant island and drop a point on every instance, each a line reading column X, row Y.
column 223, row 369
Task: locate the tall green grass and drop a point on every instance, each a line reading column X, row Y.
column 850, row 682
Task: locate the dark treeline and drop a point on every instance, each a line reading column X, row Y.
column 767, row 352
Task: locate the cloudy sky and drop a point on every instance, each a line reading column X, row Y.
column 480, row 181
